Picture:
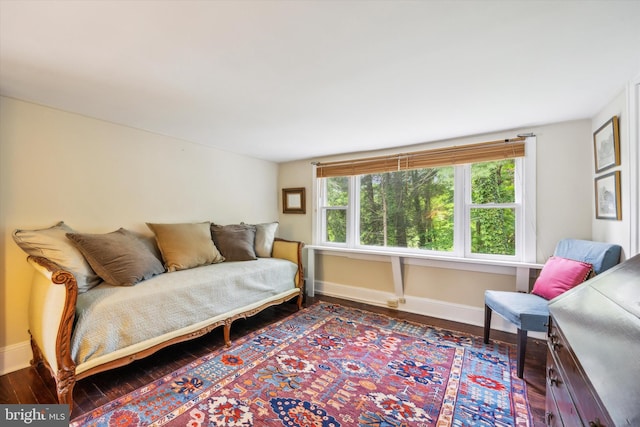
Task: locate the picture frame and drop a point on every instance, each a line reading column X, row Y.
column 293, row 200
column 606, row 145
column 608, row 196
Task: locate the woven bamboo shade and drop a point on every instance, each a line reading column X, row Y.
column 448, row 156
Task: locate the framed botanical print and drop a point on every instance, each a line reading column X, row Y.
column 606, row 145
column 608, row 203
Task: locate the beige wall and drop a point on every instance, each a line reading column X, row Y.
column 434, row 283
column 453, row 286
column 296, row 175
column 360, row 273
column 99, row 176
column 564, row 189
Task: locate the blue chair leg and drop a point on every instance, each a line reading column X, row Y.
column 487, row 323
column 522, row 347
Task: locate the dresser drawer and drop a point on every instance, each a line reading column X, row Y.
column 552, row 414
column 570, row 385
column 561, row 405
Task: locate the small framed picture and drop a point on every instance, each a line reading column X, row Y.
column 293, row 200
column 606, row 145
column 608, row 203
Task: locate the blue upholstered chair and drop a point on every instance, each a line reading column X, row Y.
column 529, row 312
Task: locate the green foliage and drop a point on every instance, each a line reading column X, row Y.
column 493, row 182
column 408, row 209
column 493, row 229
column 337, row 225
column 336, row 219
column 414, row 209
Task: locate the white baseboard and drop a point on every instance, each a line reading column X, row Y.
column 424, row 306
column 14, row 357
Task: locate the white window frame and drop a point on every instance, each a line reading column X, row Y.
column 525, row 204
column 517, row 205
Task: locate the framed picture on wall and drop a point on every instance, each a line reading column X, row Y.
column 293, row 200
column 606, row 145
column 608, row 203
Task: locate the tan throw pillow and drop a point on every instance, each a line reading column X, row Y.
column 186, row 245
column 120, row 258
column 265, row 235
column 52, row 243
column 235, row 242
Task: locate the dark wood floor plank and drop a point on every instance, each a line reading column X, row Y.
column 7, row 393
column 39, row 387
column 19, row 381
column 87, row 398
column 33, row 385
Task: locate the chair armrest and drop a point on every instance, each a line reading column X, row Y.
column 52, row 307
column 292, row 251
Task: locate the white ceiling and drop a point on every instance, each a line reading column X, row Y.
column 286, row 80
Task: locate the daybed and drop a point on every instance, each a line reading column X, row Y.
column 132, row 299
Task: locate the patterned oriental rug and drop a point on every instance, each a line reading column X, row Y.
column 329, row 366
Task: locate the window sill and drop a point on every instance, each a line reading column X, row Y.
column 340, row 251
column 521, row 270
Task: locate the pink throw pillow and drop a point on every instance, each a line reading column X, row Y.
column 559, row 275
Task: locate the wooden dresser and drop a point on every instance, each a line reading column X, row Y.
column 593, row 359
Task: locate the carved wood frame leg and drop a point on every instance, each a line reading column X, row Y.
column 38, row 359
column 65, row 378
column 300, row 298
column 227, row 332
column 65, row 381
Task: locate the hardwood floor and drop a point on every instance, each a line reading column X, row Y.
column 35, row 385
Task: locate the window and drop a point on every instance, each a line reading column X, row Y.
column 407, row 209
column 492, row 209
column 334, row 210
column 472, row 210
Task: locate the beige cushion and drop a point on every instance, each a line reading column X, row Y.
column 289, row 250
column 186, row 245
column 52, row 243
column 235, row 242
column 120, row 258
column 265, row 235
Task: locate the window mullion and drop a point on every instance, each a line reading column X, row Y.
column 493, row 205
column 461, row 195
column 353, row 219
column 321, row 218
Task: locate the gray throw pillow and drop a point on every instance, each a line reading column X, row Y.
column 52, row 243
column 235, row 241
column 265, row 235
column 119, row 257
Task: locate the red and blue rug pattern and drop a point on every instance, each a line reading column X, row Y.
column 330, row 366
